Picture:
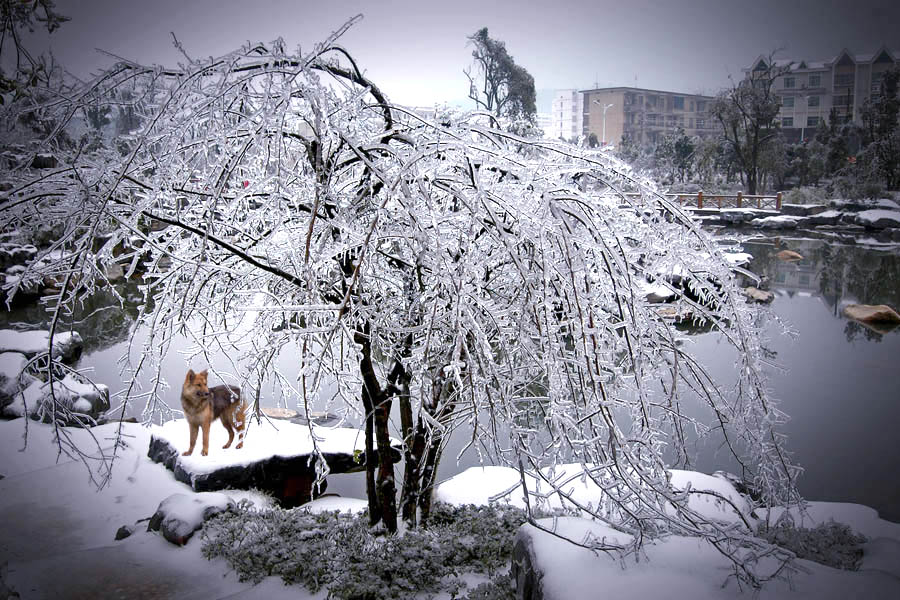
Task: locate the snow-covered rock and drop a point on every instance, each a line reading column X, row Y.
column 738, row 259
column 879, row 218
column 756, row 295
column 802, row 210
column 828, row 217
column 12, row 379
column 15, row 254
column 656, row 293
column 779, row 222
column 180, row 515
column 67, row 345
column 277, row 457
column 71, row 395
column 737, row 215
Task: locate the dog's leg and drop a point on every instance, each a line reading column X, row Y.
column 190, row 449
column 205, row 425
column 226, row 421
column 240, row 422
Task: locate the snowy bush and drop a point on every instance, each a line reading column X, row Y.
column 833, row 544
column 342, row 554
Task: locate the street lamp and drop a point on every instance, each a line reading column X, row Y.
column 605, row 108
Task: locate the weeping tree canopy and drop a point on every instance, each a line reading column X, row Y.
column 277, row 202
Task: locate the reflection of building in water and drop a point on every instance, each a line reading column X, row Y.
column 836, row 273
column 791, row 277
column 797, row 276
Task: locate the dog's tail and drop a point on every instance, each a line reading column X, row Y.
column 240, row 421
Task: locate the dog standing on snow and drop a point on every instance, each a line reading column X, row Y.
column 202, row 405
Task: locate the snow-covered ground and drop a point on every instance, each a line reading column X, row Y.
column 57, row 534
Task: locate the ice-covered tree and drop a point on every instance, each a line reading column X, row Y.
column 747, row 113
column 479, row 281
column 496, row 83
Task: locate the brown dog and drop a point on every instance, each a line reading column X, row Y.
column 202, row 405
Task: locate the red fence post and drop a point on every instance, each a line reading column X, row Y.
column 740, row 199
column 778, row 201
column 699, row 199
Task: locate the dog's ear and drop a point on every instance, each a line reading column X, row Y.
column 190, row 376
column 204, row 372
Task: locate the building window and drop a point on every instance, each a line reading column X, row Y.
column 678, row 102
column 812, row 121
column 843, row 80
column 701, row 105
column 787, row 102
column 701, row 123
column 812, row 101
column 789, row 82
column 815, row 80
column 787, row 121
column 842, row 100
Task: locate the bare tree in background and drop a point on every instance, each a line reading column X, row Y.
column 443, row 265
column 496, row 83
column 748, row 112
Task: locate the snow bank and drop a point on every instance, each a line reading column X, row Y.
column 263, row 441
column 676, row 567
column 484, row 485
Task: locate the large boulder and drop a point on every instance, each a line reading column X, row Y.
column 278, row 457
column 866, row 313
column 779, row 222
column 12, row 377
column 802, row 210
column 80, row 402
column 756, row 295
column 878, row 218
column 180, row 515
column 828, row 217
column 67, row 345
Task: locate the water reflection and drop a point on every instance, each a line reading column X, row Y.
column 836, row 378
column 838, row 274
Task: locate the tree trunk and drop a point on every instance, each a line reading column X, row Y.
column 371, row 458
column 387, row 491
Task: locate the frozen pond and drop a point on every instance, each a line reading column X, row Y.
column 838, row 384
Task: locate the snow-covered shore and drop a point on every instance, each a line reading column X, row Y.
column 57, row 534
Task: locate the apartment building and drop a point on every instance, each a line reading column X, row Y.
column 808, row 90
column 565, row 116
column 644, row 115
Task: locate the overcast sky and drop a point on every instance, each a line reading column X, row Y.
column 416, row 49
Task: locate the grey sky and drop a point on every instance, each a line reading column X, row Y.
column 416, row 50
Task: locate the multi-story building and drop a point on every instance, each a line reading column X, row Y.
column 566, row 116
column 809, row 90
column 644, row 115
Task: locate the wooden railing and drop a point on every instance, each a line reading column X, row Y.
column 739, row 200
